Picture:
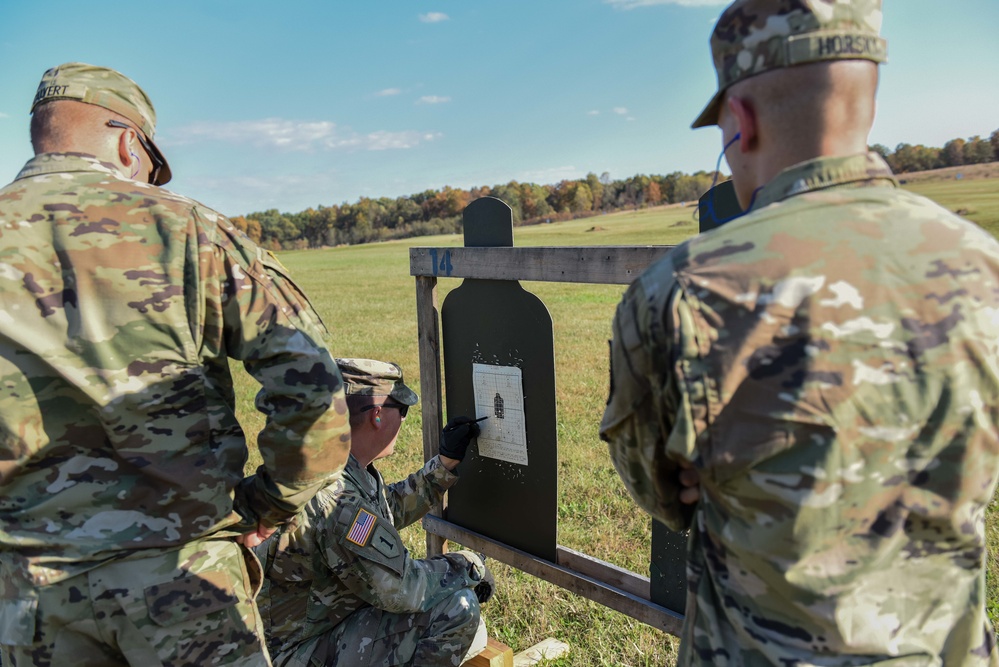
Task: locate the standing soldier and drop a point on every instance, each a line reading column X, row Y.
column 122, row 305
column 826, row 366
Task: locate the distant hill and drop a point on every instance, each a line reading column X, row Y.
column 968, row 172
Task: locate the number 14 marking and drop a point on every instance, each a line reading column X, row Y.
column 444, row 266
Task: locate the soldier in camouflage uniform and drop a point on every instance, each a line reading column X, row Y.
column 826, row 365
column 340, row 587
column 122, row 305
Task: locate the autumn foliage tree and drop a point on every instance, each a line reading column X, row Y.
column 439, row 211
column 955, row 153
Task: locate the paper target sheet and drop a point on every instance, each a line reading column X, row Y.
column 499, row 395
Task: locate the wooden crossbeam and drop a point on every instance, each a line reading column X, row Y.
column 614, row 265
column 586, row 585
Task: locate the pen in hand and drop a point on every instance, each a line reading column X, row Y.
column 452, row 427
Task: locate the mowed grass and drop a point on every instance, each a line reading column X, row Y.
column 367, row 299
column 976, row 200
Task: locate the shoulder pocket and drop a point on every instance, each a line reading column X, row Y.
column 373, row 539
column 282, row 281
column 629, row 368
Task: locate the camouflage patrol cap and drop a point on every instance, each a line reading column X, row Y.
column 368, row 377
column 106, row 88
column 756, row 36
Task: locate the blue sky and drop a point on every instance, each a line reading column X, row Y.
column 294, row 104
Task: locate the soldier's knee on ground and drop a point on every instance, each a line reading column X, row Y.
column 461, row 609
column 450, row 633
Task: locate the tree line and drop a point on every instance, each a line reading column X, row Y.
column 955, row 153
column 439, row 211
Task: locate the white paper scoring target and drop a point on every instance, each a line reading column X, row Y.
column 499, row 395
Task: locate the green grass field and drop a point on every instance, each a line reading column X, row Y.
column 976, row 200
column 367, row 299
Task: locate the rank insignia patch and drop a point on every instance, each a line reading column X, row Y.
column 364, row 523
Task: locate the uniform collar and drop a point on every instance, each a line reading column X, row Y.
column 822, row 173
column 56, row 163
column 367, row 480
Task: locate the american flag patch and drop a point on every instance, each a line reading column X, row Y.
column 364, row 523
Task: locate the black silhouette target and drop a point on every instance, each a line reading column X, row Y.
column 499, row 324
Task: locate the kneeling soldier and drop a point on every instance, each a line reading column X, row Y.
column 340, row 587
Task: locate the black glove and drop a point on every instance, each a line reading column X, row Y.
column 484, row 589
column 241, row 505
column 456, row 436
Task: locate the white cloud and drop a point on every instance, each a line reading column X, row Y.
column 270, row 132
column 293, row 135
column 388, row 92
column 240, row 194
column 4, row 115
column 434, row 17
column 621, row 111
column 433, row 99
column 594, row 112
column 634, row 4
column 382, row 140
column 630, row 118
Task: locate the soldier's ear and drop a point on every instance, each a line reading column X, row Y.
column 126, row 154
column 744, row 114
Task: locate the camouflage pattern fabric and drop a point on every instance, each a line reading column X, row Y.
column 756, row 36
column 123, row 303
column 189, row 607
column 374, row 637
column 828, row 363
column 340, row 587
column 105, row 88
column 370, row 377
column 99, row 86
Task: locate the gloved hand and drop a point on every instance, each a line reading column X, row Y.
column 484, row 589
column 456, row 436
column 475, row 566
column 244, row 495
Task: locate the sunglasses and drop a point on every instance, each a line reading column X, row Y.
column 401, row 407
column 153, row 155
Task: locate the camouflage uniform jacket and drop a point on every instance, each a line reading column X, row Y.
column 346, row 553
column 122, row 303
column 828, row 363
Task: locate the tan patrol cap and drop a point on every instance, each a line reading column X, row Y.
column 106, row 88
column 369, row 377
column 756, row 36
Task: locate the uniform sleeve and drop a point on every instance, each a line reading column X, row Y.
column 413, row 497
column 260, row 317
column 647, row 423
column 365, row 552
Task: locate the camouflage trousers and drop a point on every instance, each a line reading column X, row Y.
column 193, row 606
column 375, row 638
